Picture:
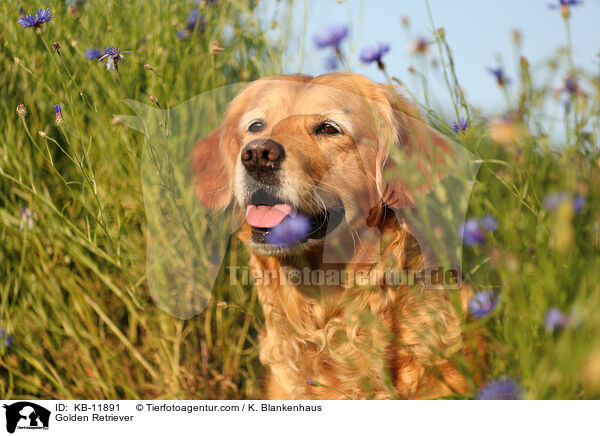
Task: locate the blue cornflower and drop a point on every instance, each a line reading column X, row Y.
column 331, row 63
column 183, row 34
column 483, row 303
column 500, row 77
column 578, row 203
column 555, row 319
column 490, row 223
column 500, row 389
column 570, row 85
column 461, row 126
column 59, row 117
column 472, row 233
column 92, row 53
column 331, row 37
column 565, row 3
column 42, row 16
column 9, row 340
column 194, row 18
column 291, row 230
column 374, row 53
column 26, row 218
column 554, row 200
column 113, row 56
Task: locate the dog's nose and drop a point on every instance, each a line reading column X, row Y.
column 262, row 154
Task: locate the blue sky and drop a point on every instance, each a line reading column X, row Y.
column 479, row 33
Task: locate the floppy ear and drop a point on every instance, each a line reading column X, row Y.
column 211, row 173
column 414, row 158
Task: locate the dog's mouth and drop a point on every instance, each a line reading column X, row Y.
column 278, row 225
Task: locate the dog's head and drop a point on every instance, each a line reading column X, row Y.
column 307, row 157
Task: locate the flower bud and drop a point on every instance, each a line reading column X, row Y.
column 21, row 111
column 215, row 48
column 56, row 47
column 59, row 117
column 516, row 36
column 154, row 99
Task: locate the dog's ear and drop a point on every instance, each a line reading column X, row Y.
column 413, row 156
column 212, row 175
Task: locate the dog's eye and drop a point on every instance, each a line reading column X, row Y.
column 327, row 129
column 256, row 126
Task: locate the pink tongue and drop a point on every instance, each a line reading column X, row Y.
column 267, row 216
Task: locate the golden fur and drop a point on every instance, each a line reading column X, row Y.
column 364, row 340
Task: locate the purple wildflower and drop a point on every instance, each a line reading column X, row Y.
column 42, row 16
column 113, row 57
column 554, row 200
column 59, row 117
column 490, row 223
column 500, row 389
column 570, row 85
column 9, row 340
column 313, row 383
column 194, row 18
column 374, row 53
column 331, row 37
column 472, row 233
column 92, row 53
column 331, row 63
column 483, row 303
column 183, row 34
column 461, row 126
column 500, row 77
column 578, row 203
column 291, row 230
column 26, row 218
column 565, row 3
column 555, row 319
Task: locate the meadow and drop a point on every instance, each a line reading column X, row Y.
column 77, row 319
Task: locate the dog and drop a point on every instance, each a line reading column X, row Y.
column 305, row 158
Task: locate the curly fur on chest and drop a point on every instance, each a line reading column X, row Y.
column 364, row 340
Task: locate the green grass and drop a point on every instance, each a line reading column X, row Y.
column 74, row 287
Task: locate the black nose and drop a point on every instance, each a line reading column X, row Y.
column 262, row 155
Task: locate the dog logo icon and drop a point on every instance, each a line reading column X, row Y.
column 26, row 415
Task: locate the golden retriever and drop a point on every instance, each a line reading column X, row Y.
column 318, row 148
